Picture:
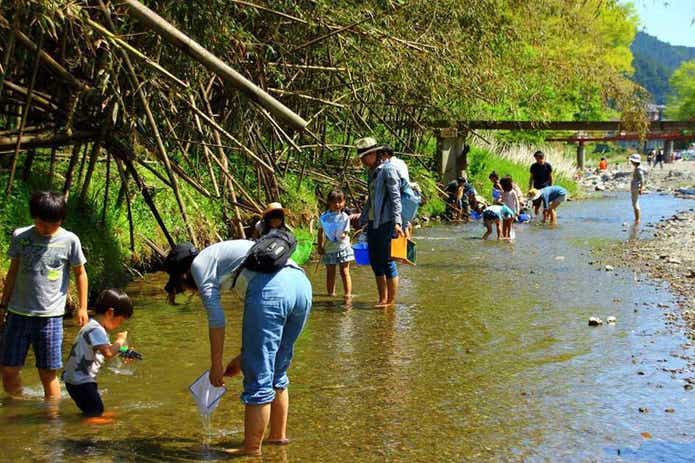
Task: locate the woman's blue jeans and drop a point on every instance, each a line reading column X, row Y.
column 379, row 242
column 276, row 309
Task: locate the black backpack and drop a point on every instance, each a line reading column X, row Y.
column 271, row 252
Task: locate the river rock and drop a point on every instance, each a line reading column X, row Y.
column 608, row 268
column 595, row 321
column 643, row 409
column 611, row 320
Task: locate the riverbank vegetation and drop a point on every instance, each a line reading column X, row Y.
column 92, row 98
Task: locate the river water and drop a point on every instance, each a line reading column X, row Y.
column 487, row 357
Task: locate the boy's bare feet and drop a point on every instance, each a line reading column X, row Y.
column 105, row 418
column 381, row 305
column 276, row 441
column 243, row 451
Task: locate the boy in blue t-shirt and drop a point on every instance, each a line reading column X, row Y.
column 92, row 346
column 36, row 289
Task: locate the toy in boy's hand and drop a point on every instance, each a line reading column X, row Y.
column 130, row 354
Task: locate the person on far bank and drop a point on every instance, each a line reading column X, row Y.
column 550, row 198
column 637, row 184
column 334, row 243
column 541, row 174
column 36, row 288
column 659, row 159
column 276, row 308
column 603, row 164
column 91, row 346
column 381, row 216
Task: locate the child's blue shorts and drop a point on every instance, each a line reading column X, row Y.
column 277, row 307
column 44, row 334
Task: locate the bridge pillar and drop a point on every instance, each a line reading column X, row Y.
column 668, row 151
column 449, row 154
column 581, row 150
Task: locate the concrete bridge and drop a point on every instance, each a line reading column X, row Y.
column 451, row 137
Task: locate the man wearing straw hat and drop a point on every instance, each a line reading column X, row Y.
column 381, row 217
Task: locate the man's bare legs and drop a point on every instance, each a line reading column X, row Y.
column 382, row 289
column 392, row 290
column 278, row 418
column 256, row 420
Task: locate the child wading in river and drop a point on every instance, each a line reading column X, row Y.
column 36, row 288
column 273, row 219
column 502, row 217
column 91, row 346
column 334, row 243
column 637, row 184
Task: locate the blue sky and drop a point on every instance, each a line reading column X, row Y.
column 669, row 20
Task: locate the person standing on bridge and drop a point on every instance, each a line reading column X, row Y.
column 381, row 217
column 541, row 175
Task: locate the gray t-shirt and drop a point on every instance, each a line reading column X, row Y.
column 84, row 361
column 637, row 179
column 41, row 287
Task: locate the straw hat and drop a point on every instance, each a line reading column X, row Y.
column 274, row 207
column 635, row 158
column 366, row 145
column 534, row 194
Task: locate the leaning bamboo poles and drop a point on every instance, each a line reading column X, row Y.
column 233, row 150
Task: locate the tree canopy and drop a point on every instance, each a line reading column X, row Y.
column 681, row 102
column 378, row 67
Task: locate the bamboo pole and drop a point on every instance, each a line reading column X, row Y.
column 225, row 168
column 96, row 147
column 6, row 59
column 71, row 167
column 52, row 63
column 25, row 114
column 206, row 151
column 218, row 127
column 214, row 64
column 106, row 188
column 124, row 188
column 161, row 150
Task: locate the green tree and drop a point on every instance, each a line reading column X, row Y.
column 681, row 102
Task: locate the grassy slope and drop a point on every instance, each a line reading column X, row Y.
column 107, row 244
column 482, row 162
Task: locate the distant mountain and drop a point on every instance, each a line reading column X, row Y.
column 654, row 62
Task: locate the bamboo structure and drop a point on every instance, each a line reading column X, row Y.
column 109, row 86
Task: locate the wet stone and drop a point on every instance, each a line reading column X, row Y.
column 595, row 321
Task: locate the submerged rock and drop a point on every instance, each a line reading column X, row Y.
column 611, row 320
column 595, row 321
column 608, row 268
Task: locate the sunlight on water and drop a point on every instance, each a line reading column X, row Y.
column 487, row 357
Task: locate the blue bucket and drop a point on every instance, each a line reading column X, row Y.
column 524, row 218
column 475, row 215
column 361, row 253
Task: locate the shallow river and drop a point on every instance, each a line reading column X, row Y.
column 488, row 357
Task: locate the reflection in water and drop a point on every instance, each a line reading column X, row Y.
column 487, row 357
